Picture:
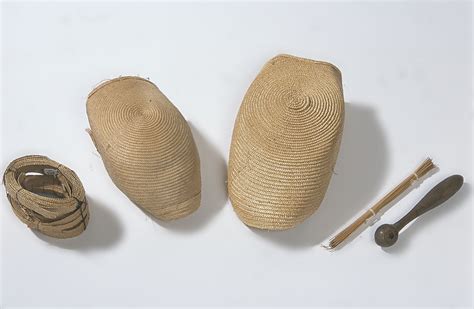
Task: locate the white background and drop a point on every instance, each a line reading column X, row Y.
column 407, row 82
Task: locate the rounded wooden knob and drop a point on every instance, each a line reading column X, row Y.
column 386, row 235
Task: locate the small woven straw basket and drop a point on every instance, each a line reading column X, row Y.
column 285, row 142
column 146, row 145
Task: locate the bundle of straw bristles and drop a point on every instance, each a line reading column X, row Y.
column 380, row 206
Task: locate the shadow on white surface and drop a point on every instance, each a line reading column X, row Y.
column 359, row 172
column 103, row 231
column 213, row 188
column 434, row 216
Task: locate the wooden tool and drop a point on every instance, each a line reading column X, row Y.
column 387, row 234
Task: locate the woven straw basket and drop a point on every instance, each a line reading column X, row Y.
column 285, row 142
column 146, row 145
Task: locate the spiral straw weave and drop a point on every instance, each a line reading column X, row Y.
column 146, row 145
column 46, row 196
column 285, row 142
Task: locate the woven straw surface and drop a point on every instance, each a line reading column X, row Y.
column 285, row 142
column 46, row 196
column 146, row 145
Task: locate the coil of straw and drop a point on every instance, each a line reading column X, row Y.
column 46, row 196
column 396, row 192
column 146, row 145
column 285, row 142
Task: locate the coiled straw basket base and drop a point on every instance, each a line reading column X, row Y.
column 285, row 142
column 146, row 145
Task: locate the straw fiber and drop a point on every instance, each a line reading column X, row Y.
column 146, row 145
column 285, row 142
column 46, row 196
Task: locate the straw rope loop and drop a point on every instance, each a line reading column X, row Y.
column 146, row 145
column 285, row 142
column 46, row 196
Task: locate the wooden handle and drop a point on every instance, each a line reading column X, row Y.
column 437, row 196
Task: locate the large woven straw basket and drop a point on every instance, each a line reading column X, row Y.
column 146, row 145
column 285, row 142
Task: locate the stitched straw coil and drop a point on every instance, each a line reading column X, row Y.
column 46, row 196
column 285, row 142
column 146, row 145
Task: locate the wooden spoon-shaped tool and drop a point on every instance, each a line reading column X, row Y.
column 387, row 234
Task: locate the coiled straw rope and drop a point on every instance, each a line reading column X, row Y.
column 146, row 145
column 285, row 142
column 46, row 196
